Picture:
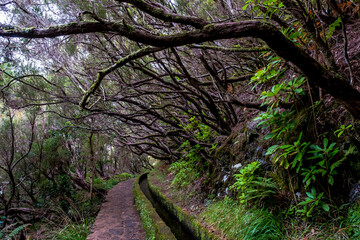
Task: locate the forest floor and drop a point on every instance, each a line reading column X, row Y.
column 118, row 218
column 229, row 220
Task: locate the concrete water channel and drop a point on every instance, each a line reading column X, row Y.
column 180, row 231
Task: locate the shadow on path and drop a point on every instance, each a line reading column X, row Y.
column 118, row 219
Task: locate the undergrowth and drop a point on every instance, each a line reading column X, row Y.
column 108, row 184
column 237, row 222
column 75, row 231
column 9, row 232
column 353, row 222
column 145, row 218
column 75, row 220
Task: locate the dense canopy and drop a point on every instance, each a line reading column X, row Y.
column 205, row 84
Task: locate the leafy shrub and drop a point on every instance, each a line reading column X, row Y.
column 123, row 176
column 353, row 222
column 279, row 122
column 199, row 130
column 62, row 186
column 189, row 167
column 322, row 164
column 185, row 173
column 104, row 184
column 251, row 186
column 90, row 206
column 312, row 204
column 100, row 183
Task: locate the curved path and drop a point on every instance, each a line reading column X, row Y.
column 118, row 219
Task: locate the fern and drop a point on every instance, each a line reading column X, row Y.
column 13, row 232
column 17, row 230
column 252, row 187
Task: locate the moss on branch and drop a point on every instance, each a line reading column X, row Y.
column 234, row 49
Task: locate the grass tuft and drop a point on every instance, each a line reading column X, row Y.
column 237, row 222
column 74, row 231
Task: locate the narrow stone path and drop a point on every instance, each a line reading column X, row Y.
column 118, row 219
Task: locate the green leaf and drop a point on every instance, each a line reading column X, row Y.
column 325, row 207
column 321, row 163
column 271, row 149
column 332, row 28
column 310, row 195
column 286, row 146
column 313, row 191
column 316, row 147
column 298, row 157
column 299, row 91
column 305, row 202
column 326, row 141
column 269, row 136
column 350, row 150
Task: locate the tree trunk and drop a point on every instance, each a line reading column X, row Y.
column 92, row 164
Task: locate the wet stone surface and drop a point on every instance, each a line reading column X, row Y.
column 118, row 218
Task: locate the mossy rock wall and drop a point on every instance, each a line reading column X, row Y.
column 154, row 226
column 185, row 219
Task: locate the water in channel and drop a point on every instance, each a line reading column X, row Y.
column 180, row 232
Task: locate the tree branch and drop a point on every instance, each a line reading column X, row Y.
column 161, row 12
column 234, row 49
column 331, row 82
column 100, row 76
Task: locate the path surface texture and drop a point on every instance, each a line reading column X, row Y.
column 118, row 219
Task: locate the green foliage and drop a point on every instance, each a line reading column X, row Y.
column 320, row 166
column 192, row 164
column 324, row 159
column 237, row 222
column 343, row 129
column 145, row 218
column 332, row 28
column 88, row 207
column 8, row 234
column 297, row 35
column 53, row 151
column 327, row 163
column 280, row 122
column 199, row 130
column 61, row 187
column 297, row 149
column 251, row 186
column 272, row 72
column 312, row 203
column 325, row 154
column 123, row 176
column 269, row 7
column 74, row 231
column 100, row 183
column 185, row 173
column 353, row 222
column 283, row 92
column 70, row 47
